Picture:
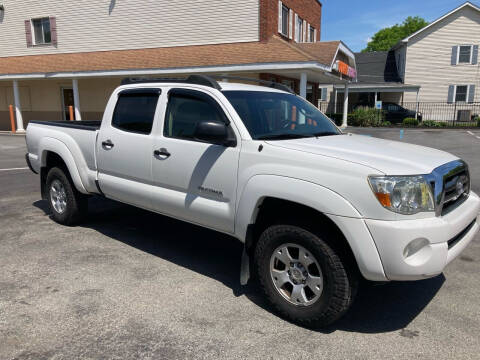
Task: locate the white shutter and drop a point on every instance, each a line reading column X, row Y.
column 308, row 33
column 315, row 35
column 290, row 23
column 304, row 38
column 280, row 5
column 296, row 28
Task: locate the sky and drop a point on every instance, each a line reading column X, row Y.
column 355, row 21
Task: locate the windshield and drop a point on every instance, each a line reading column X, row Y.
column 272, row 115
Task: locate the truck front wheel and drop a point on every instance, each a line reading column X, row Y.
column 67, row 205
column 303, row 278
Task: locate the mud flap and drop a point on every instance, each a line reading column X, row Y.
column 245, row 267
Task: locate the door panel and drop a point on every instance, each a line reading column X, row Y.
column 125, row 169
column 197, row 182
column 124, row 148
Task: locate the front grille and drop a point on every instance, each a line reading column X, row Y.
column 456, row 239
column 456, row 190
column 450, row 185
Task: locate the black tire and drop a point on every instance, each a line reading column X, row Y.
column 76, row 202
column 339, row 284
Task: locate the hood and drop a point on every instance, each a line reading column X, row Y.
column 387, row 156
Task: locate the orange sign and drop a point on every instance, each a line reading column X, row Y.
column 344, row 69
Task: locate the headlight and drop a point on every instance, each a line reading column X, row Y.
column 403, row 194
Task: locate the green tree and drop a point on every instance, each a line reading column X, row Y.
column 384, row 39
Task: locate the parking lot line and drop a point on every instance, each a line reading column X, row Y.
column 12, row 169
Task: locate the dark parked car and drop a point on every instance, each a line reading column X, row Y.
column 396, row 113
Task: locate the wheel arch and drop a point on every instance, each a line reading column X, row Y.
column 53, row 153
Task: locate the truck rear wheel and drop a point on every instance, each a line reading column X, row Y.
column 67, row 205
column 303, row 278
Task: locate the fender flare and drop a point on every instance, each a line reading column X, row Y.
column 56, row 146
column 299, row 191
column 348, row 219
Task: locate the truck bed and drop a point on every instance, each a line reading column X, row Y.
column 91, row 125
column 75, row 140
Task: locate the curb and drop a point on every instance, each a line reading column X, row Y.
column 9, row 133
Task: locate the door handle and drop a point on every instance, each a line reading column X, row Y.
column 162, row 152
column 107, row 144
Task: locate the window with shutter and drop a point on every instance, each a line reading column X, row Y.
column 41, row 31
column 465, row 54
column 284, row 19
column 461, row 93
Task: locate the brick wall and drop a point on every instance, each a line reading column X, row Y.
column 309, row 10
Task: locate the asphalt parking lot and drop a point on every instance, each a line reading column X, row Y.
column 132, row 284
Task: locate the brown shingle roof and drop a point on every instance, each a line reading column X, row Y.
column 323, row 52
column 274, row 50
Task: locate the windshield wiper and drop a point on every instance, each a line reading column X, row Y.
column 325, row 133
column 283, row 136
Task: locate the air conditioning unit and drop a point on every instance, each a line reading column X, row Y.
column 464, row 115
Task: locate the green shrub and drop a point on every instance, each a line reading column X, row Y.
column 386, row 123
column 464, row 124
column 431, row 123
column 410, row 122
column 364, row 116
column 478, row 121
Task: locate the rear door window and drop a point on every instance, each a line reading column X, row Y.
column 135, row 110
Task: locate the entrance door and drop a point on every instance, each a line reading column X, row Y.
column 67, row 99
column 194, row 181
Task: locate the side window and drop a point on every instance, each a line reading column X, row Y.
column 186, row 108
column 135, row 110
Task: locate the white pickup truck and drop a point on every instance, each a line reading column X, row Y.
column 316, row 208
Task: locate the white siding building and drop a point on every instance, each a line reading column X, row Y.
column 443, row 58
column 103, row 25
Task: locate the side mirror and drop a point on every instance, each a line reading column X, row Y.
column 214, row 132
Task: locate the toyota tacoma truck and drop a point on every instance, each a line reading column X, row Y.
column 317, row 209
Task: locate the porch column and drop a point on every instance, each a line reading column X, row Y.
column 416, row 104
column 376, row 97
column 303, row 85
column 18, row 106
column 345, row 107
column 335, row 100
column 76, row 100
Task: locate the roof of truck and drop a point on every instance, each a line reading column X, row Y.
column 232, row 86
